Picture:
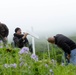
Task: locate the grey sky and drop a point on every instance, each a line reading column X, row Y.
column 52, row 16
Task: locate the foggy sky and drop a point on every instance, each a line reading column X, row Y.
column 45, row 16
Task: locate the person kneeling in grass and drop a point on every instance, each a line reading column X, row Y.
column 20, row 40
column 66, row 44
column 4, row 31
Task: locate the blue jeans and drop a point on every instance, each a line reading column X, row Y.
column 64, row 59
column 73, row 57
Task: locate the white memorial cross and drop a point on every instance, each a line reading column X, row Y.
column 33, row 38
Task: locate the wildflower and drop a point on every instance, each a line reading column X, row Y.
column 13, row 65
column 1, row 44
column 62, row 64
column 10, row 65
column 6, row 65
column 24, row 50
column 21, row 64
column 53, row 60
column 33, row 56
column 51, row 71
column 46, row 65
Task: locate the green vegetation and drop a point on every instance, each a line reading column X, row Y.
column 12, row 62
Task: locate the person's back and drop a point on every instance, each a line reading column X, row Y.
column 64, row 42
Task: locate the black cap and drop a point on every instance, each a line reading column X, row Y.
column 17, row 29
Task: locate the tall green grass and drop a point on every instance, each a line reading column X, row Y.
column 25, row 65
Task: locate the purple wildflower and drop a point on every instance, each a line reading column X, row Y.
column 10, row 65
column 13, row 65
column 1, row 44
column 33, row 56
column 21, row 64
column 24, row 50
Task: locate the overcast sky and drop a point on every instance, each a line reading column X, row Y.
column 51, row 16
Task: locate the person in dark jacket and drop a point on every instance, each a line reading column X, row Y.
column 66, row 44
column 20, row 40
column 4, row 31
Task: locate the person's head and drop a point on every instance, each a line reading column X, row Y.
column 18, row 31
column 51, row 40
column 4, row 31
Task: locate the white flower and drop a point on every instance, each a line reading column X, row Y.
column 53, row 60
column 6, row 65
column 62, row 64
column 46, row 65
column 51, row 71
